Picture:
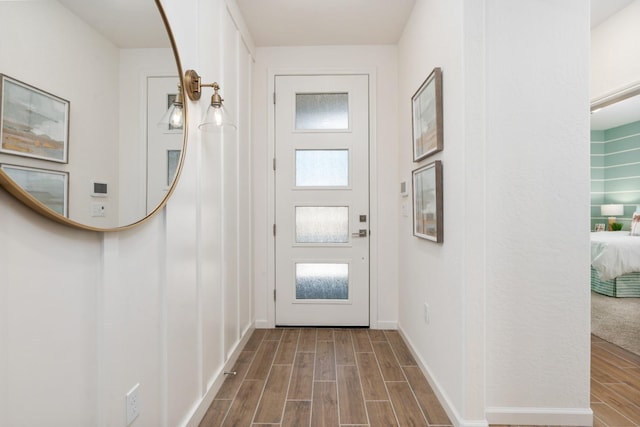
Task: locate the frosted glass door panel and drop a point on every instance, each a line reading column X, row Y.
column 322, row 281
column 322, row 168
column 322, row 111
column 322, row 224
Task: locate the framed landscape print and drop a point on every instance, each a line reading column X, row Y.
column 427, row 202
column 426, row 107
column 51, row 188
column 33, row 123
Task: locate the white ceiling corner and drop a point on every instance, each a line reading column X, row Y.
column 325, row 22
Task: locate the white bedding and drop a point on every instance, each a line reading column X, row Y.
column 614, row 253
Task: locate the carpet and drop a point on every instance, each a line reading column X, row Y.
column 616, row 320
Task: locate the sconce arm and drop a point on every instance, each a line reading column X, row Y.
column 193, row 85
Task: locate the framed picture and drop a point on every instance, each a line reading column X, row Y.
column 51, row 188
column 427, row 202
column 34, row 123
column 600, row 227
column 426, row 108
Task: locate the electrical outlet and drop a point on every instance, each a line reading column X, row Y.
column 426, row 313
column 133, row 404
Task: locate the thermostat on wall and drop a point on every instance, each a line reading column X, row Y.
column 99, row 189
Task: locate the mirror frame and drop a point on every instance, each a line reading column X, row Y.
column 27, row 199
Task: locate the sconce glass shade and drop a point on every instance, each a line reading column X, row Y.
column 173, row 118
column 216, row 119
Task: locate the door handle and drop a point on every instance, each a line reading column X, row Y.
column 360, row 233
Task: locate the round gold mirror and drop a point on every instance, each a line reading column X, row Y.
column 85, row 88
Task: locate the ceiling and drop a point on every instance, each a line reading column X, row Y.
column 127, row 23
column 325, row 22
column 617, row 114
column 601, row 10
column 281, row 22
column 348, row 22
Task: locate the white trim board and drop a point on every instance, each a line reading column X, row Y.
column 373, row 185
column 201, row 408
column 503, row 415
column 540, row 416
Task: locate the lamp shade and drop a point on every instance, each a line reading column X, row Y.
column 173, row 118
column 216, row 119
column 612, row 210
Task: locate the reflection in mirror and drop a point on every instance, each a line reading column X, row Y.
column 615, row 155
column 83, row 91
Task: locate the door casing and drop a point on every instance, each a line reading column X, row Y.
column 373, row 187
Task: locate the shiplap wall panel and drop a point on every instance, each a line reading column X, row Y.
column 230, row 167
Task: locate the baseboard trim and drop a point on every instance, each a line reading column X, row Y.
column 540, row 416
column 214, row 386
column 262, row 324
column 448, row 407
column 506, row 415
column 386, row 324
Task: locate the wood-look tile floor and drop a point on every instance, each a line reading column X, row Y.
column 360, row 377
column 615, row 385
column 325, row 377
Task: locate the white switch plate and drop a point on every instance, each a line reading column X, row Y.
column 404, row 209
column 133, row 404
column 98, row 209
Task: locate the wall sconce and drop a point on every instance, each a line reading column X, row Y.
column 174, row 116
column 611, row 211
column 216, row 118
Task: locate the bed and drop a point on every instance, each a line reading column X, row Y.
column 615, row 264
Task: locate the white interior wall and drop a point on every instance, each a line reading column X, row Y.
column 508, row 336
column 381, row 62
column 538, row 311
column 615, row 63
column 160, row 288
column 434, row 273
column 84, row 316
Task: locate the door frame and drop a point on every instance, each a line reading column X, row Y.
column 373, row 184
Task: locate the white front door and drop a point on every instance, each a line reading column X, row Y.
column 322, row 200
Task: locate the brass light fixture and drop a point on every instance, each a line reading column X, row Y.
column 216, row 118
column 174, row 116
